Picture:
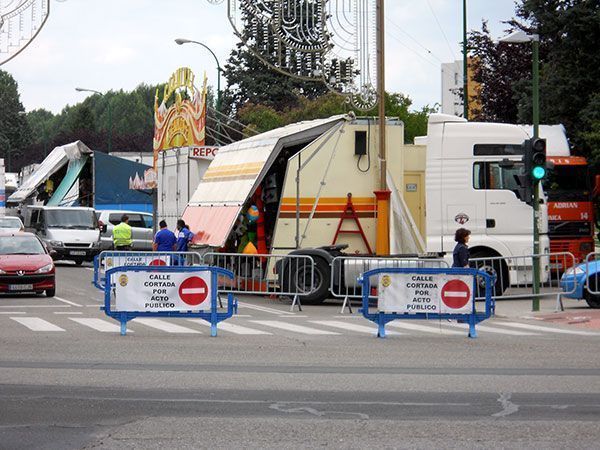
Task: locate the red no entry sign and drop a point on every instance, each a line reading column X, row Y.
column 456, row 294
column 193, row 291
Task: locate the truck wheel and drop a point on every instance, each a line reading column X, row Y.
column 300, row 281
column 496, row 268
column 593, row 300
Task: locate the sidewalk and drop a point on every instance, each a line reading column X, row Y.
column 576, row 313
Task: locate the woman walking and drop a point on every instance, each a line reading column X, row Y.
column 461, row 251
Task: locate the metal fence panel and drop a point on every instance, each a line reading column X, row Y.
column 109, row 259
column 278, row 275
column 514, row 274
column 346, row 271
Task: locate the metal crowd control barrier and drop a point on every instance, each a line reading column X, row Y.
column 184, row 292
column 453, row 300
column 345, row 271
column 275, row 275
column 112, row 258
column 514, row 275
column 592, row 266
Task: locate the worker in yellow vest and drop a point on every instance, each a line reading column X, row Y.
column 122, row 234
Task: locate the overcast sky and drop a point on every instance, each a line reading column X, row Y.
column 118, row 44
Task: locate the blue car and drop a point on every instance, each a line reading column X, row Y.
column 574, row 283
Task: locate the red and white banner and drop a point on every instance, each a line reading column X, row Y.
column 162, row 291
column 411, row 293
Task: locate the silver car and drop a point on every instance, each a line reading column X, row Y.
column 141, row 228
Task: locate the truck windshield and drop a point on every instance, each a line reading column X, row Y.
column 564, row 183
column 75, row 219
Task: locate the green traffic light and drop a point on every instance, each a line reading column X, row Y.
column 538, row 172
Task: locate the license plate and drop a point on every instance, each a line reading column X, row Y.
column 20, row 287
column 77, row 252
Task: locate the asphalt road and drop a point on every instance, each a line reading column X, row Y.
column 275, row 379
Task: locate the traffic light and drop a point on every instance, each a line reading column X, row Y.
column 538, row 159
column 534, row 168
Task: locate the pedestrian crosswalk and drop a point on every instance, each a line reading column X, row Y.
column 284, row 326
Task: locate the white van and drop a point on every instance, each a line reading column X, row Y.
column 72, row 232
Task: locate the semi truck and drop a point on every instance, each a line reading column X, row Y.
column 313, row 184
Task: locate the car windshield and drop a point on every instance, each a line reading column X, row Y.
column 21, row 245
column 10, row 222
column 75, row 219
column 567, row 183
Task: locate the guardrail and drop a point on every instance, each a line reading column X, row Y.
column 165, row 291
column 276, row 275
column 513, row 275
column 592, row 265
column 109, row 259
column 438, row 294
column 346, row 270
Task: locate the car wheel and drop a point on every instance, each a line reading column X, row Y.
column 592, row 299
column 494, row 267
column 50, row 292
column 78, row 262
column 299, row 281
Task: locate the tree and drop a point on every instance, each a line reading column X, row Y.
column 250, row 80
column 14, row 129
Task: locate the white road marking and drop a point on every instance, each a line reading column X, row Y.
column 293, row 327
column 165, row 326
column 525, row 326
column 100, row 325
column 351, row 326
column 235, row 329
column 37, row 324
column 265, row 309
column 489, row 329
column 35, row 306
column 68, row 302
column 427, row 329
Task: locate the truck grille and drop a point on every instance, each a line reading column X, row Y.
column 569, row 228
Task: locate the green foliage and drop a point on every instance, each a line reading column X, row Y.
column 264, row 118
column 15, row 133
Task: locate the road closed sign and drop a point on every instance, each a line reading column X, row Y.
column 162, row 291
column 136, row 260
column 410, row 293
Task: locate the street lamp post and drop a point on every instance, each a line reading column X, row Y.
column 110, row 124
column 520, row 37
column 180, row 41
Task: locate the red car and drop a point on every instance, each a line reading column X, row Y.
column 25, row 265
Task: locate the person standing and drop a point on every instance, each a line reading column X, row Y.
column 122, row 238
column 460, row 254
column 184, row 236
column 164, row 240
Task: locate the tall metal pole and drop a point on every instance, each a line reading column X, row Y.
column 382, row 244
column 110, row 125
column 465, row 65
column 536, row 186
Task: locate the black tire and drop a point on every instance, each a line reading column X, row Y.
column 78, row 262
column 496, row 268
column 299, row 273
column 50, row 292
column 593, row 300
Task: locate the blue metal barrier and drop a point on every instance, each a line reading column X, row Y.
column 473, row 318
column 212, row 316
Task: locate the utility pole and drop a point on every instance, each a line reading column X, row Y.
column 383, row 194
column 465, row 65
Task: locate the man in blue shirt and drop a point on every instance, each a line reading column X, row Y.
column 184, row 236
column 164, row 240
